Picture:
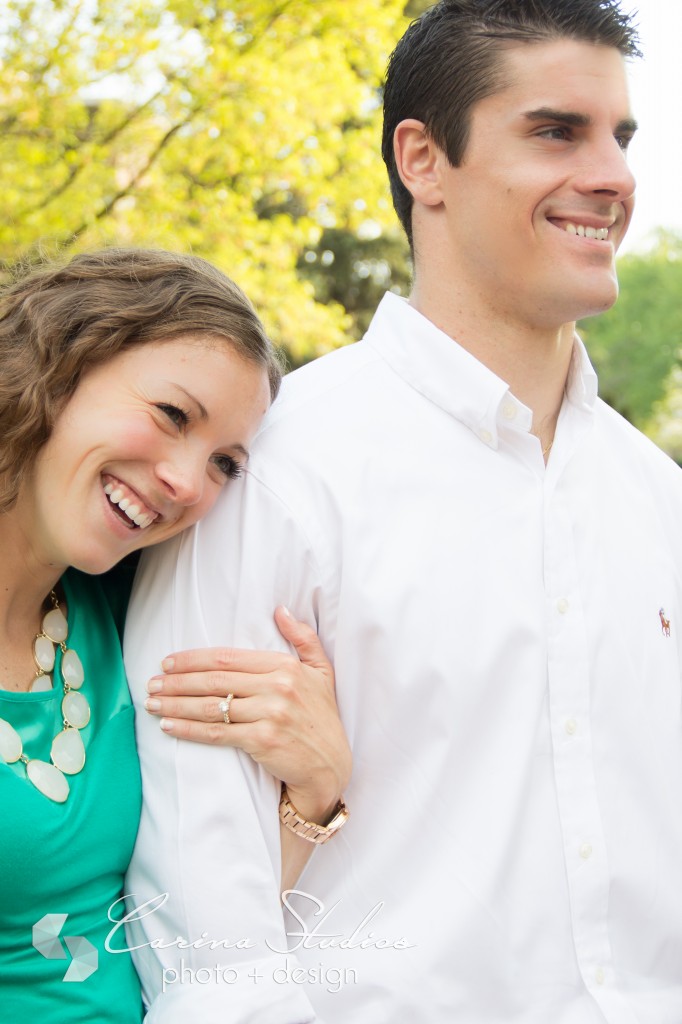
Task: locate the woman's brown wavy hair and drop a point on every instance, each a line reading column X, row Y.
column 59, row 321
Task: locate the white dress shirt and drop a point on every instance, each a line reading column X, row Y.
column 514, row 851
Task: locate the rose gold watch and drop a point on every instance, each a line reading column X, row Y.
column 296, row 823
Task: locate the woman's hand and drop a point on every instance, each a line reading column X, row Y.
column 283, row 711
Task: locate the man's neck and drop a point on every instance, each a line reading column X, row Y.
column 533, row 361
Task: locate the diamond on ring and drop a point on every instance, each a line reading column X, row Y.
column 224, row 706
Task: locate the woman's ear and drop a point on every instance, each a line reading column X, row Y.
column 418, row 160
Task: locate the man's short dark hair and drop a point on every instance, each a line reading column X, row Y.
column 450, row 58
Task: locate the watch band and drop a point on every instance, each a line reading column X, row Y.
column 309, row 830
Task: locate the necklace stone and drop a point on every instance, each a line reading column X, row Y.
column 67, row 755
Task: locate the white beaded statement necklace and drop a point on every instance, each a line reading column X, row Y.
column 68, row 753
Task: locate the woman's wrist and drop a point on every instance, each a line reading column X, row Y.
column 316, row 827
column 317, row 798
column 314, row 805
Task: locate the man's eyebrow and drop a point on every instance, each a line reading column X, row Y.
column 570, row 117
column 562, row 116
column 628, row 126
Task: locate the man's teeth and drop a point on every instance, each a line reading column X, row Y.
column 587, row 232
column 134, row 512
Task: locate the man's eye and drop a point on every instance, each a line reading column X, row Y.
column 179, row 417
column 554, row 132
column 228, row 466
column 624, row 141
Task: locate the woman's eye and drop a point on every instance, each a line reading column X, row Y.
column 228, row 466
column 177, row 416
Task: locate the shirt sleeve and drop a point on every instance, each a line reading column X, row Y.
column 210, row 937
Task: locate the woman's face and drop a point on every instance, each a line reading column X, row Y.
column 141, row 451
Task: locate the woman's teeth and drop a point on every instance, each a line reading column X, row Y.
column 117, row 496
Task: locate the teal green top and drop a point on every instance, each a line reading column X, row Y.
column 70, row 858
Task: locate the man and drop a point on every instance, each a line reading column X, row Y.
column 485, row 548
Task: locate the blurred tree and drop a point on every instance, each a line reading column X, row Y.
column 355, row 271
column 414, row 8
column 638, row 343
column 239, row 130
column 665, row 424
column 249, row 133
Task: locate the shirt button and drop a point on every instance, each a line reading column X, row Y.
column 585, row 851
column 599, row 976
column 562, row 605
column 509, row 411
column 571, row 726
column 486, row 436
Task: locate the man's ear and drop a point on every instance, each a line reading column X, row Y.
column 418, row 160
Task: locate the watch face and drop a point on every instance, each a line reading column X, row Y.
column 339, row 819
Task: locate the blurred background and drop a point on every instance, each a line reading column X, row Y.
column 249, row 133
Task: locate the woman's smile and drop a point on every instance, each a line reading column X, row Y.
column 124, row 500
column 148, row 462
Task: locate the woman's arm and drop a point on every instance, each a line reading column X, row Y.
column 282, row 711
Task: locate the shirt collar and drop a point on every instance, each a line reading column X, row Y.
column 446, row 374
column 582, row 384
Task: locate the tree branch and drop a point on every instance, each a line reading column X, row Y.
column 132, row 184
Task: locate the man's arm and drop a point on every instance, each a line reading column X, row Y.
column 282, row 712
column 210, row 833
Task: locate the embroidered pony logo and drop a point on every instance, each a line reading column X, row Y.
column 665, row 623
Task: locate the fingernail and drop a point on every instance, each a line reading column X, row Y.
column 168, row 664
column 152, row 704
column 166, row 724
column 155, row 685
column 286, row 611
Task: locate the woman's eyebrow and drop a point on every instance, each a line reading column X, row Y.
column 203, row 414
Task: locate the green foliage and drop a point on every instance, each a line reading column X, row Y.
column 665, row 424
column 248, row 132
column 416, row 7
column 238, row 130
column 355, row 272
column 636, row 345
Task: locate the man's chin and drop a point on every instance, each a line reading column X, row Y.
column 597, row 308
column 595, row 301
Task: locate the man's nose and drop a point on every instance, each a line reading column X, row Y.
column 607, row 171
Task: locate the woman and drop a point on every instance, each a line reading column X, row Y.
column 131, row 385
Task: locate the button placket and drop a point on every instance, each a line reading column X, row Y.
column 569, row 703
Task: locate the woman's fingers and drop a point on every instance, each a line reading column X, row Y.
column 210, row 710
column 211, row 684
column 306, row 641
column 196, row 709
column 214, row 733
column 217, row 671
column 221, row 659
column 253, row 728
column 282, row 708
column 234, row 659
